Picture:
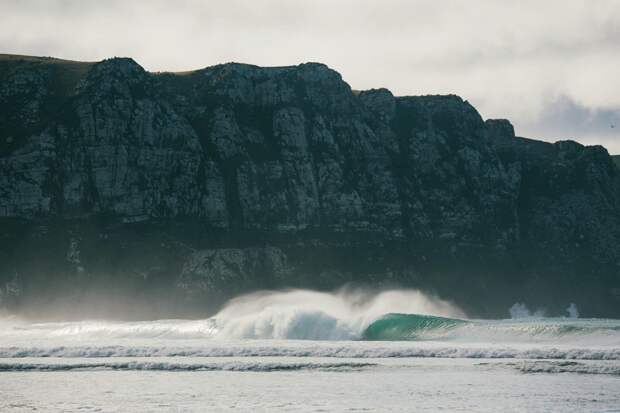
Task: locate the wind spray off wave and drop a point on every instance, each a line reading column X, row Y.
column 303, row 314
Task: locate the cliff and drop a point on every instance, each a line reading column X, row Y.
column 178, row 190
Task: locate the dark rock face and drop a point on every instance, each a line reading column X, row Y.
column 183, row 189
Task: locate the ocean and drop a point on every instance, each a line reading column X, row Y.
column 304, row 351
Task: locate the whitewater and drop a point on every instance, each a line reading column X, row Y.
column 298, row 350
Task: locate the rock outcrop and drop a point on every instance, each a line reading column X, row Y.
column 181, row 189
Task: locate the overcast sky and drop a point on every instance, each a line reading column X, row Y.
column 551, row 67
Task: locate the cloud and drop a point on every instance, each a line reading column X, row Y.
column 510, row 59
column 565, row 119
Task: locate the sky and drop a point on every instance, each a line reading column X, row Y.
column 551, row 67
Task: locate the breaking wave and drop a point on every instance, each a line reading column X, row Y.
column 294, row 314
column 399, row 315
column 424, row 327
column 408, row 326
column 302, row 314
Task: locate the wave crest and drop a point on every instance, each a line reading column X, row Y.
column 303, row 314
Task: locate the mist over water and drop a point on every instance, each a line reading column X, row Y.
column 344, row 315
column 572, row 310
column 288, row 314
column 520, row 310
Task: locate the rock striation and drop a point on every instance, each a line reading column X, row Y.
column 179, row 190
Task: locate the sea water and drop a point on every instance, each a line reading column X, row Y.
column 307, row 351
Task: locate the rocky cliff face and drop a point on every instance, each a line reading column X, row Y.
column 179, row 190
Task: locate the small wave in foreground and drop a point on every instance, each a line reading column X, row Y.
column 173, row 366
column 351, row 350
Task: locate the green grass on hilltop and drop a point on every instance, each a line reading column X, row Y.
column 66, row 73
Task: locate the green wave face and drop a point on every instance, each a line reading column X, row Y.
column 394, row 327
column 408, row 326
